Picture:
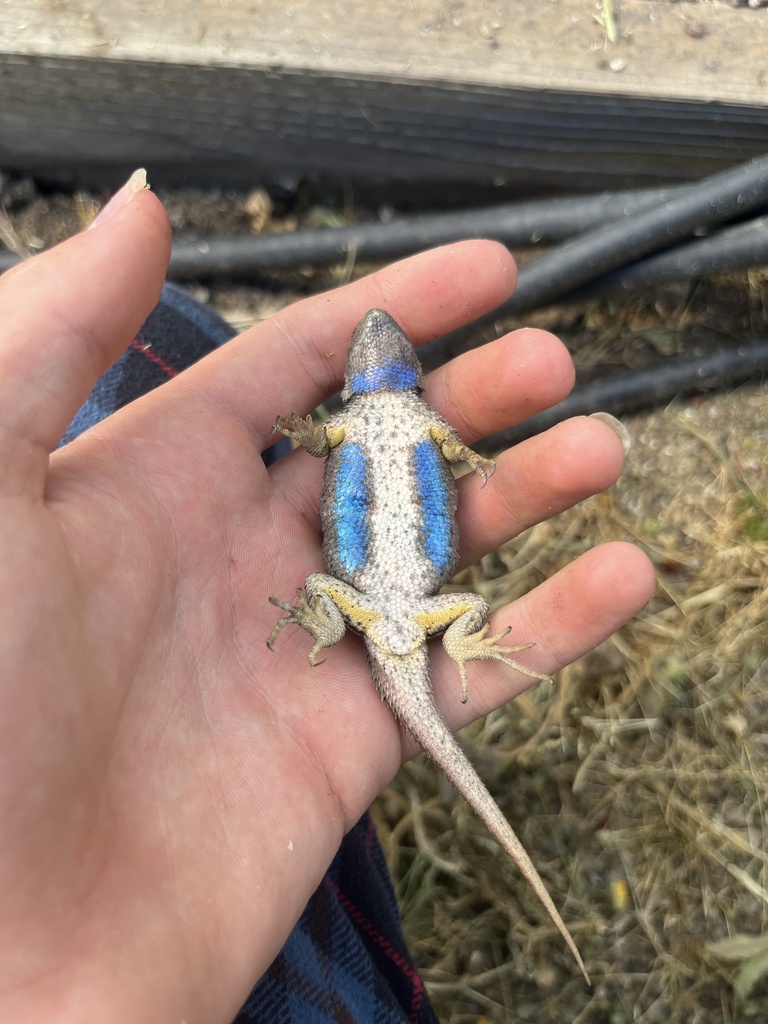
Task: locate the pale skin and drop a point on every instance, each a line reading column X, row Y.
column 171, row 792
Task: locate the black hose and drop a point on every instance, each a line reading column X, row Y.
column 734, row 248
column 654, row 385
column 518, row 225
column 715, row 200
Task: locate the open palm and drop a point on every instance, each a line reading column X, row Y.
column 171, row 792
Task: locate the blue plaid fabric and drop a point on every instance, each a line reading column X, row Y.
column 346, row 961
column 178, row 332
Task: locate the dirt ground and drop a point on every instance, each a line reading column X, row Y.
column 638, row 781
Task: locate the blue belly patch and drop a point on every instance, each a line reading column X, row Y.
column 389, row 374
column 350, row 507
column 434, row 502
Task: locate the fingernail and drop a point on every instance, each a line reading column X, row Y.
column 136, row 183
column 616, row 426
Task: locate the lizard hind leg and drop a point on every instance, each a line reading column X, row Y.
column 314, row 612
column 467, row 639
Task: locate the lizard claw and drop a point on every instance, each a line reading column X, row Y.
column 484, row 468
column 291, row 425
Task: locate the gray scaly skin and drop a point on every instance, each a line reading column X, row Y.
column 389, row 543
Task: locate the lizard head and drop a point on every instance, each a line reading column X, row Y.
column 380, row 358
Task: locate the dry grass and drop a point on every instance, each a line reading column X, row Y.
column 639, row 782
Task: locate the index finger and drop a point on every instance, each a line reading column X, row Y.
column 294, row 360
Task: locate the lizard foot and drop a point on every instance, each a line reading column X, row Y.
column 313, row 618
column 304, row 432
column 453, row 449
column 480, row 647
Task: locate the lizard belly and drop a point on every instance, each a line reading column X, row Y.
column 389, row 503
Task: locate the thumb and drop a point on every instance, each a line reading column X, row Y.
column 66, row 317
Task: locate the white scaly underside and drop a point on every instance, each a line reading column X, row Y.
column 397, row 574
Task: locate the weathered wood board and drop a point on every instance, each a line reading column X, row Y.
column 523, row 93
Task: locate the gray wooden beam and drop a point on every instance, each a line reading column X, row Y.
column 526, row 99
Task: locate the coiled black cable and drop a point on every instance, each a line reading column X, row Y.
column 621, row 241
column 586, row 259
column 518, row 225
column 651, row 386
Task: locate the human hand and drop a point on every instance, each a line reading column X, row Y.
column 171, row 792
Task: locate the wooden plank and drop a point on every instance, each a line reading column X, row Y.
column 532, row 97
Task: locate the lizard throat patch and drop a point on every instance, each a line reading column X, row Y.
column 390, row 374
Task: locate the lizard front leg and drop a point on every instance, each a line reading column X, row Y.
column 453, row 449
column 318, row 439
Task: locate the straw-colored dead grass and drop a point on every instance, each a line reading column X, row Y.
column 638, row 783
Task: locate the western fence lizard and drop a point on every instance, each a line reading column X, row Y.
column 389, row 543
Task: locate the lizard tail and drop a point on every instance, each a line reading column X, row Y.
column 404, row 683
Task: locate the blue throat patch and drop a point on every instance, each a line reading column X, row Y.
column 390, row 375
